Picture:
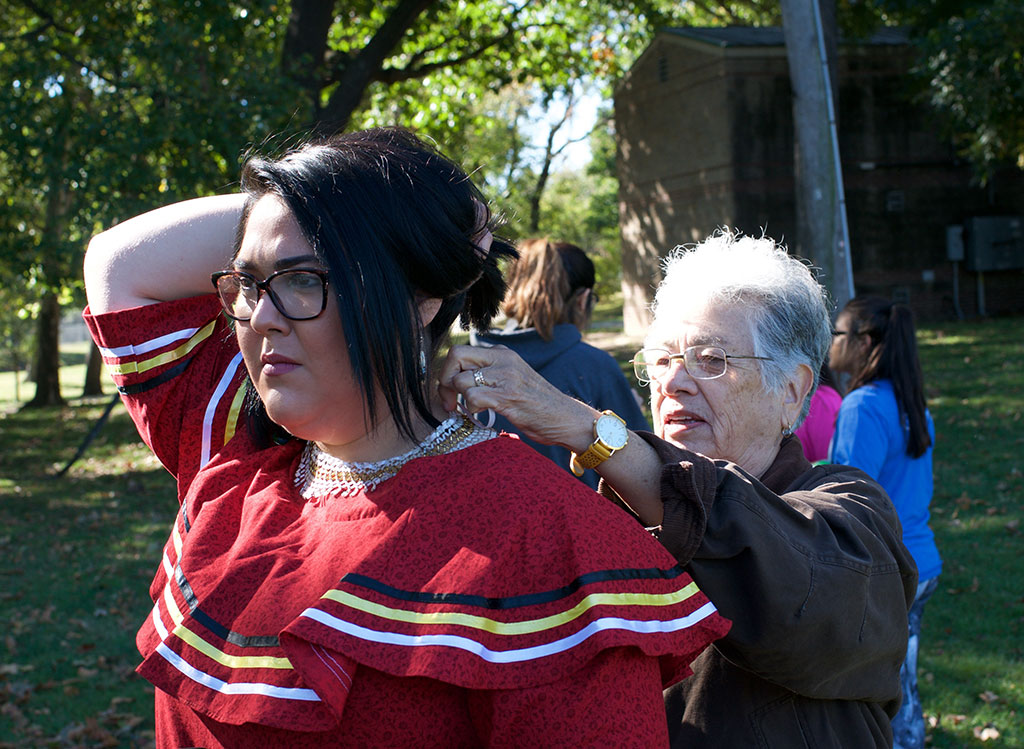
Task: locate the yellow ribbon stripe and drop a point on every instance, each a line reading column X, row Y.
column 176, row 538
column 236, row 407
column 172, row 606
column 512, row 628
column 231, row 661
column 164, row 358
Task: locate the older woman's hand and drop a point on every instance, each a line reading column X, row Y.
column 498, row 378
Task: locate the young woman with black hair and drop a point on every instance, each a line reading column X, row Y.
column 548, row 306
column 350, row 565
column 884, row 428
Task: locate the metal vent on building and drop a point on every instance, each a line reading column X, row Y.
column 662, row 69
column 895, row 201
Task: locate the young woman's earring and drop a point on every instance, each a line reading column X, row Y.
column 423, row 355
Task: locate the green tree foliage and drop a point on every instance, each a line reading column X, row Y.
column 971, row 69
column 974, row 64
column 426, row 63
column 111, row 107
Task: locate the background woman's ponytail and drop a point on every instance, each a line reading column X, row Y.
column 544, row 286
column 893, row 356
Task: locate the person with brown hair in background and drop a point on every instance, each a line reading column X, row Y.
column 549, row 304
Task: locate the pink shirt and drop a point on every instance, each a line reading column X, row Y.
column 815, row 432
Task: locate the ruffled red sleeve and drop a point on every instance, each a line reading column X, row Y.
column 179, row 372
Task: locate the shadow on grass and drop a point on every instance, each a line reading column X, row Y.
column 78, row 553
column 971, row 661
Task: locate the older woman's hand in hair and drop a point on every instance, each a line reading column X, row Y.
column 499, row 379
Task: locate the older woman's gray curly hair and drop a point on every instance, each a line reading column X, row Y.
column 787, row 308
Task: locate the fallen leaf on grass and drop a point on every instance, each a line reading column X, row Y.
column 988, row 697
column 988, row 733
column 16, row 716
column 17, row 691
column 90, row 733
column 975, row 584
column 957, row 719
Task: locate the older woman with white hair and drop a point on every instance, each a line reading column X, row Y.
column 806, row 561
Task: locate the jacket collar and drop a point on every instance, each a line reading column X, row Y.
column 788, row 465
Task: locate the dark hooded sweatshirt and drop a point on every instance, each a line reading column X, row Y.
column 576, row 368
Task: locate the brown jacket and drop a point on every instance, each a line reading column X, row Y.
column 809, row 566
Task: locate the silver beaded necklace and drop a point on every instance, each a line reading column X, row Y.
column 320, row 474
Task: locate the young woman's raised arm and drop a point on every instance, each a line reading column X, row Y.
column 168, row 253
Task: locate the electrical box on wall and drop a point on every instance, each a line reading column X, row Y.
column 994, row 243
column 955, row 243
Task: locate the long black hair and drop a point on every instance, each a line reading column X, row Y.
column 394, row 222
column 892, row 356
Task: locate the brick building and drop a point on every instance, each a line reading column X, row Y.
column 704, row 123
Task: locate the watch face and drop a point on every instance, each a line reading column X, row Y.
column 611, row 431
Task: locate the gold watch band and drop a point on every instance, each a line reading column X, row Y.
column 599, row 450
column 592, row 457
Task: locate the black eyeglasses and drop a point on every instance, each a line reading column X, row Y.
column 839, row 332
column 701, row 362
column 297, row 293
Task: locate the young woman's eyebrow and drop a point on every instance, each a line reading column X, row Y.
column 280, row 264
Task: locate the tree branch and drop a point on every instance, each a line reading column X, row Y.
column 44, row 14
column 412, row 70
column 395, row 75
column 360, row 69
column 715, row 11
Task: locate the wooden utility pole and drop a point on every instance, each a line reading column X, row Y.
column 822, row 233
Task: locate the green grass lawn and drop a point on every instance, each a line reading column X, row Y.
column 77, row 554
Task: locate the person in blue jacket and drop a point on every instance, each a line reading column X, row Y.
column 884, row 428
column 548, row 306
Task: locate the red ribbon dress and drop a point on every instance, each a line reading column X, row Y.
column 479, row 597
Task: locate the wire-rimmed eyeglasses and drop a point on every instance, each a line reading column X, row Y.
column 297, row 293
column 701, row 362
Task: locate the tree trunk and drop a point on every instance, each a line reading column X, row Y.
column 820, row 221
column 93, row 372
column 542, row 182
column 47, row 361
column 46, row 367
column 305, row 47
column 359, row 70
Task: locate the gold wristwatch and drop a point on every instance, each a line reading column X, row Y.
column 610, row 435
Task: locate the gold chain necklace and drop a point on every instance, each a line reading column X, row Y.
column 320, row 474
